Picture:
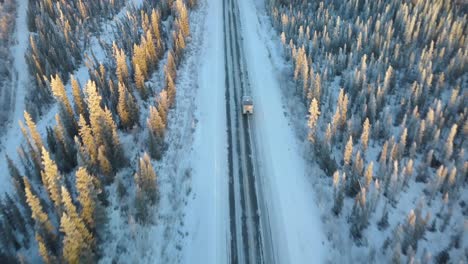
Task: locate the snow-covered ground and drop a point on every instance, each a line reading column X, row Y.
column 294, row 216
column 207, row 218
column 12, row 138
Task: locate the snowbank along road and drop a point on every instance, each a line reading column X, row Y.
column 250, row 240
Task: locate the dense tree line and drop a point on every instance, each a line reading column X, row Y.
column 63, row 177
column 385, row 84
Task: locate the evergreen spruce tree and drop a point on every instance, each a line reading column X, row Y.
column 66, row 111
column 163, row 105
column 93, row 100
column 156, row 129
column 31, row 159
column 52, row 179
column 104, row 164
column 344, row 110
column 338, row 192
column 348, row 151
column 365, row 135
column 72, row 213
column 179, row 44
column 121, row 63
column 317, row 92
column 112, row 141
column 314, row 113
column 170, row 88
column 183, row 17
column 88, row 191
column 449, row 142
column 58, row 89
column 33, row 131
column 146, row 180
column 139, row 59
column 171, row 67
column 47, row 257
column 51, row 140
column 155, row 21
column 78, row 97
column 66, row 152
column 140, row 82
column 368, row 174
column 38, row 214
column 75, row 248
column 150, row 48
column 402, row 143
column 127, row 108
column 78, row 241
column 358, row 164
column 88, row 140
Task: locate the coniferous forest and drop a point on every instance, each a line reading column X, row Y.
column 124, row 136
column 384, row 87
column 58, row 213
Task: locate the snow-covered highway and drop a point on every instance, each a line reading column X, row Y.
column 274, row 218
column 253, row 201
column 293, row 215
column 245, row 228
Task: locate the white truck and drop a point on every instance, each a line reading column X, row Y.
column 247, row 105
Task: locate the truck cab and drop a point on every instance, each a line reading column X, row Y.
column 247, row 105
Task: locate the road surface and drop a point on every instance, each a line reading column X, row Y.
column 250, row 240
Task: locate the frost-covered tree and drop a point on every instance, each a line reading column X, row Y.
column 146, row 187
column 369, row 174
column 78, row 97
column 127, row 108
column 88, row 188
column 155, row 25
column 38, row 213
column 140, row 82
column 338, row 191
column 146, row 179
column 52, row 180
column 365, row 135
column 171, row 90
column 348, row 151
column 314, row 114
column 139, row 59
column 183, row 17
column 156, row 128
column 120, row 58
column 78, row 242
column 449, row 142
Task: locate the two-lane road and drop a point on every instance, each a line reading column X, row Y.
column 250, row 240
